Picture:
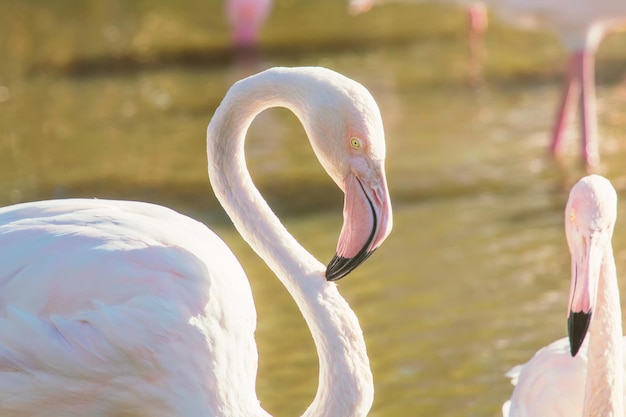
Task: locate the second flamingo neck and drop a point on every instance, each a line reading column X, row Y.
column 604, row 388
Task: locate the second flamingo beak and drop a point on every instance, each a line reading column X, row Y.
column 585, row 277
column 367, row 222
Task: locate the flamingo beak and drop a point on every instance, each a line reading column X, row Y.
column 577, row 326
column 585, row 276
column 367, row 222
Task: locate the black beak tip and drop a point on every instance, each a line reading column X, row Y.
column 577, row 326
column 339, row 267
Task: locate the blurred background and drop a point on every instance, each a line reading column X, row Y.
column 111, row 99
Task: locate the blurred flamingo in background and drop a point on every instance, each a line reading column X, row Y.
column 581, row 25
column 246, row 19
column 573, row 377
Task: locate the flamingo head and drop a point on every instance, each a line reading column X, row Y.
column 345, row 127
column 590, row 216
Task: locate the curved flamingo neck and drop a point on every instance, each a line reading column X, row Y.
column 345, row 379
column 604, row 388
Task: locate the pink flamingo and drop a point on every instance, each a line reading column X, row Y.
column 576, row 377
column 111, row 308
column 581, row 25
column 246, row 18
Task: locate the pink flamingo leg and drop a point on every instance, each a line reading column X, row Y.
column 478, row 22
column 246, row 18
column 571, row 90
column 589, row 120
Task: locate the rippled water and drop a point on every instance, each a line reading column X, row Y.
column 112, row 99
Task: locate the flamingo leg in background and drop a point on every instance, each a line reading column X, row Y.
column 571, row 90
column 246, row 18
column 579, row 84
column 588, row 113
column 477, row 27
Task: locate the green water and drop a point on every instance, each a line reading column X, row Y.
column 111, row 99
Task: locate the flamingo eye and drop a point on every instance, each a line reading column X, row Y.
column 356, row 143
column 572, row 216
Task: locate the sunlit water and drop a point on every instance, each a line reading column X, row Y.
column 112, row 100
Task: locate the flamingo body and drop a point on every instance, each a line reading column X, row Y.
column 581, row 25
column 581, row 375
column 118, row 308
column 578, row 23
column 551, row 383
column 136, row 292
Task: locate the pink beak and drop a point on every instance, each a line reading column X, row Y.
column 367, row 222
column 585, row 276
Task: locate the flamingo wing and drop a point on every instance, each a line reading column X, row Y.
column 108, row 306
column 550, row 384
column 92, row 362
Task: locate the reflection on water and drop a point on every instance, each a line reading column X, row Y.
column 112, row 99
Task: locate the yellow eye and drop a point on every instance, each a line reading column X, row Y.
column 355, row 143
column 572, row 216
